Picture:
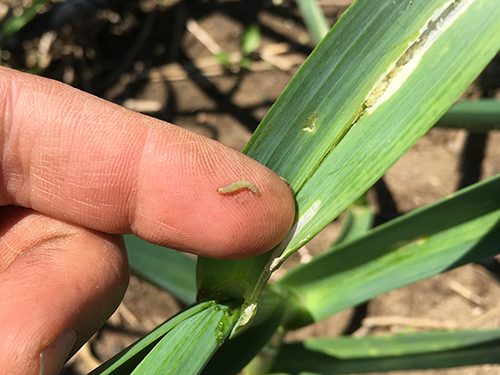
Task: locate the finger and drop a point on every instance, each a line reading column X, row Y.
column 84, row 160
column 59, row 283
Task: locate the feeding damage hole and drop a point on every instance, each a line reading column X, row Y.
column 310, row 124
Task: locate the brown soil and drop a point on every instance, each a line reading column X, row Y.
column 141, row 56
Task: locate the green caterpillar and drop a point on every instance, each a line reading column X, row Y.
column 243, row 184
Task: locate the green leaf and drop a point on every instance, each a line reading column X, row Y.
column 15, row 24
column 456, row 230
column 250, row 39
column 370, row 90
column 126, row 361
column 348, row 347
column 476, row 116
column 169, row 269
column 314, row 19
column 357, row 220
column 187, row 348
column 347, row 355
column 384, row 74
column 223, row 58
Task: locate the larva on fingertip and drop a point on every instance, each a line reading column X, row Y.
column 235, row 186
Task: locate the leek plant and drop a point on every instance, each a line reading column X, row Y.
column 385, row 73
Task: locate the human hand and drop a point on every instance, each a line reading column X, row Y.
column 77, row 172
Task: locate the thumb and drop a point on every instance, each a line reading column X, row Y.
column 59, row 283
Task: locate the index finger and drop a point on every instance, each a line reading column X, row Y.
column 79, row 158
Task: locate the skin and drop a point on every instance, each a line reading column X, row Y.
column 77, row 172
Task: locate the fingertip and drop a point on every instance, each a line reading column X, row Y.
column 214, row 202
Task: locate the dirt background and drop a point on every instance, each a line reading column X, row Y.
column 140, row 54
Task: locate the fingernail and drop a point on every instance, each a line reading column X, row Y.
column 289, row 186
column 53, row 356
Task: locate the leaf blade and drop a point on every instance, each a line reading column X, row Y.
column 400, row 115
column 188, row 347
column 125, row 362
column 471, row 347
column 476, row 116
column 169, row 269
column 314, row 19
column 455, row 230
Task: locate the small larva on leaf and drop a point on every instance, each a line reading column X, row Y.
column 235, row 186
